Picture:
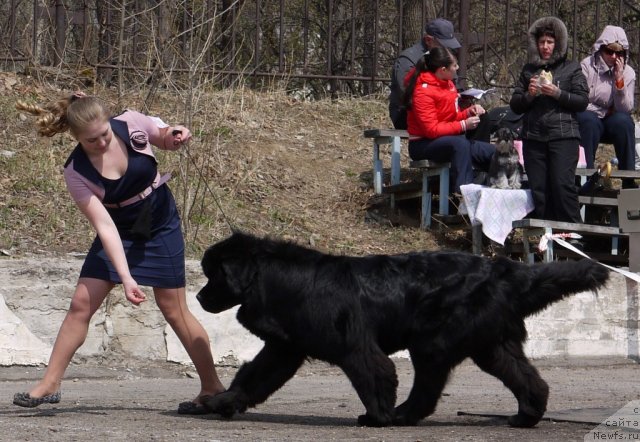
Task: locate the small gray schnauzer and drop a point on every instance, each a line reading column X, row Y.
column 505, row 171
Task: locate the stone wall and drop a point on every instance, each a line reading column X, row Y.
column 35, row 293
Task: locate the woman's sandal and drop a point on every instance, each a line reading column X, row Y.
column 25, row 399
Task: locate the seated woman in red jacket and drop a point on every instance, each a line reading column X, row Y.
column 436, row 125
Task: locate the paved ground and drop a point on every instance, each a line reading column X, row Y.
column 137, row 403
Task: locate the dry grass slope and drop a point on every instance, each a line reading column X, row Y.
column 273, row 165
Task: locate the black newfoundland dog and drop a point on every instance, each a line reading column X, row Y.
column 354, row 311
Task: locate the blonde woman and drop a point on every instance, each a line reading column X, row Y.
column 112, row 176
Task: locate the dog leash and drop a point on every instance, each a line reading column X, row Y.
column 558, row 238
column 186, row 149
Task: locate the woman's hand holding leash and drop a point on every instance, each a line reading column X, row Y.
column 176, row 136
column 180, row 134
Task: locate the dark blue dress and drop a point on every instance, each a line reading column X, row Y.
column 150, row 230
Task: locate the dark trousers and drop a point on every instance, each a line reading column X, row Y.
column 457, row 149
column 617, row 129
column 551, row 170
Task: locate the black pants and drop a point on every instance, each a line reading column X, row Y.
column 551, row 170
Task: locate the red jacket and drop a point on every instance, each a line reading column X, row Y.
column 435, row 111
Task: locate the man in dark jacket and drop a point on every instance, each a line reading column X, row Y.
column 438, row 32
column 549, row 92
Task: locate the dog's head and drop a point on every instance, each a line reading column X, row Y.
column 504, row 141
column 230, row 270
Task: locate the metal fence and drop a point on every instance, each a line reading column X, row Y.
column 323, row 45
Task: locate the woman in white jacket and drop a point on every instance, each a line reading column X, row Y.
column 611, row 84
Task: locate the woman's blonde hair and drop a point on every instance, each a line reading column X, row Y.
column 73, row 113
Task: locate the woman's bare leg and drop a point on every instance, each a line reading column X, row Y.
column 87, row 298
column 194, row 338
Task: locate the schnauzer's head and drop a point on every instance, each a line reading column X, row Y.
column 504, row 140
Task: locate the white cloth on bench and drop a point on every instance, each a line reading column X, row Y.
column 495, row 209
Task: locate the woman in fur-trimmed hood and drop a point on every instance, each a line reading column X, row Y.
column 549, row 92
column 611, row 83
column 562, row 41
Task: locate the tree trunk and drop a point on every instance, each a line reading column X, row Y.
column 413, row 22
column 369, row 56
column 106, row 39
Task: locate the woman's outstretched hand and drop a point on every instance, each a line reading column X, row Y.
column 133, row 293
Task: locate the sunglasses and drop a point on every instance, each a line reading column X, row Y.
column 611, row 52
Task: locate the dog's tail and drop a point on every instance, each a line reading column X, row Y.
column 551, row 282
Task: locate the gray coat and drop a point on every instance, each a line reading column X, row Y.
column 403, row 64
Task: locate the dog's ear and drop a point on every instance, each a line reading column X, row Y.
column 239, row 273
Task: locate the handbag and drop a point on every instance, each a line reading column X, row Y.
column 597, row 181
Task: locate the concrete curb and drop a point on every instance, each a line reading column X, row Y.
column 35, row 294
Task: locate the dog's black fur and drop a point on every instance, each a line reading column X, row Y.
column 505, row 171
column 354, row 311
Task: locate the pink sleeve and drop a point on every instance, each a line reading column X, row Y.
column 152, row 126
column 80, row 188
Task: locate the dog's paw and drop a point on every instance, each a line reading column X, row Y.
column 367, row 420
column 400, row 420
column 521, row 420
column 226, row 404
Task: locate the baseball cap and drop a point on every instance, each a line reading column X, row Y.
column 442, row 30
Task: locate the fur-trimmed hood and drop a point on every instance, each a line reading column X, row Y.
column 562, row 41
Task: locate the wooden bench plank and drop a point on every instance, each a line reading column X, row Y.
column 541, row 226
column 427, row 164
column 409, row 186
column 532, row 223
column 597, row 201
column 404, row 191
column 376, row 133
column 615, row 173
